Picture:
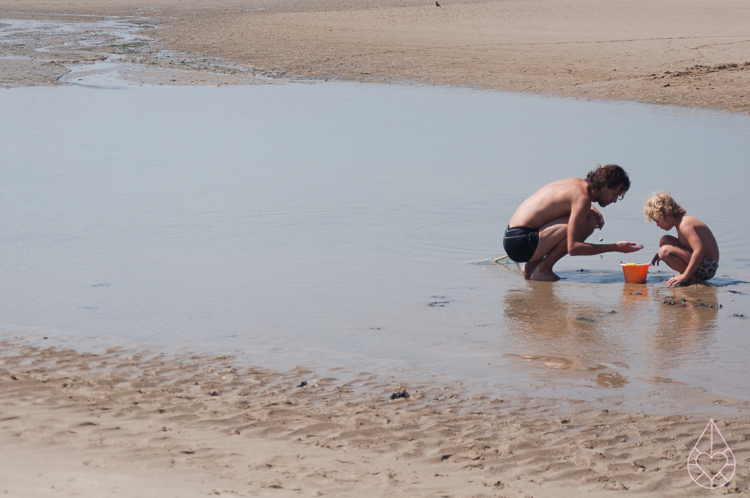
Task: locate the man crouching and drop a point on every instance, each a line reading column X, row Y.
column 558, row 218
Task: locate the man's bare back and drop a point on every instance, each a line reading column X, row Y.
column 557, row 219
column 549, row 202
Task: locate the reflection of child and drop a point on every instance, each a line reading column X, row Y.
column 694, row 252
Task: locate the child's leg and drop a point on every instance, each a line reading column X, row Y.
column 674, row 254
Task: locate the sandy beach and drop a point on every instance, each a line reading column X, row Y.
column 689, row 54
column 141, row 422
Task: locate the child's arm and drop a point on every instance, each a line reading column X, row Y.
column 696, row 244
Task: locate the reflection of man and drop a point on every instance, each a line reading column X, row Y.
column 558, row 218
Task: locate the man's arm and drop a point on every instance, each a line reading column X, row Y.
column 599, row 217
column 579, row 214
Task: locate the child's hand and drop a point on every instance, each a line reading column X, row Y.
column 623, row 246
column 655, row 261
column 675, row 281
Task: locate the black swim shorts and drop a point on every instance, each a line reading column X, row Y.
column 520, row 243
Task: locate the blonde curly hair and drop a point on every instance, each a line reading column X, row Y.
column 660, row 205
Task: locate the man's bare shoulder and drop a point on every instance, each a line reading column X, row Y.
column 568, row 187
column 568, row 181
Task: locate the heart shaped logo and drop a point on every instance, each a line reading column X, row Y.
column 711, row 463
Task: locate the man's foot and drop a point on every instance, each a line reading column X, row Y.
column 544, row 276
column 529, row 268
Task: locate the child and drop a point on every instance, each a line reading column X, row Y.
column 694, row 252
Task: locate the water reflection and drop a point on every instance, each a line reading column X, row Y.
column 685, row 329
column 555, row 333
column 546, row 319
column 611, row 380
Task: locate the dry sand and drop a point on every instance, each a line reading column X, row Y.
column 693, row 53
column 143, row 424
column 147, row 424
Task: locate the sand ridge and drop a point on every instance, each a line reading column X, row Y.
column 75, row 424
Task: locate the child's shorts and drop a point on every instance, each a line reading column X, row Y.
column 706, row 269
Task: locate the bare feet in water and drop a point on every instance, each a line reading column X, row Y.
column 529, row 268
column 531, row 271
column 543, row 276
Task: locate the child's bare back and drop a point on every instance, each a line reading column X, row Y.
column 690, row 224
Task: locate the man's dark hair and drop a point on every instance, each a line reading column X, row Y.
column 611, row 176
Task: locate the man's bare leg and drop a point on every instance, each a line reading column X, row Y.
column 556, row 230
column 543, row 271
column 529, row 267
column 550, row 235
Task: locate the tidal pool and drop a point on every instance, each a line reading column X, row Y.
column 349, row 225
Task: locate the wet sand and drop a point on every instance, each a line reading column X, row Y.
column 691, row 54
column 135, row 423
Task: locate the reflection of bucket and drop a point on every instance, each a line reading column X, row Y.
column 635, row 273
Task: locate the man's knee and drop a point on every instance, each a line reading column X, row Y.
column 590, row 225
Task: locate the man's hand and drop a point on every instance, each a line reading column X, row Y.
column 655, row 261
column 627, row 247
column 598, row 216
column 675, row 281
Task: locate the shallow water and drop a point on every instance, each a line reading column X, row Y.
column 336, row 225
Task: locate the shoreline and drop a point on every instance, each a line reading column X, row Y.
column 194, row 424
column 575, row 49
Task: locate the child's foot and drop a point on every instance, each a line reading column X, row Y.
column 544, row 276
column 529, row 268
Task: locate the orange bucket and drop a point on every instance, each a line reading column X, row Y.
column 635, row 273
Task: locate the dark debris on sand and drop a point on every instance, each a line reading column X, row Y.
column 400, row 394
